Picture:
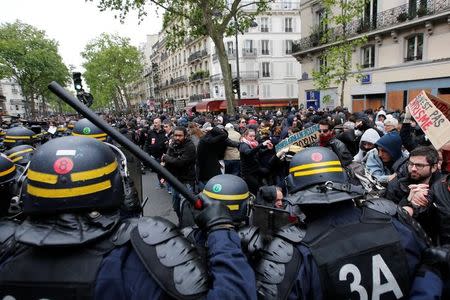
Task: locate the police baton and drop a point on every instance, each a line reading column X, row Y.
column 121, row 139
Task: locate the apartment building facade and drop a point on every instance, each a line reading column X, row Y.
column 191, row 75
column 267, row 70
column 406, row 51
column 12, row 101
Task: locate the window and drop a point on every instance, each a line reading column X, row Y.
column 248, row 46
column 266, row 90
column 414, row 47
column 368, row 57
column 264, row 24
column 230, row 48
column 14, row 89
column 289, row 69
column 288, row 46
column 288, row 25
column 322, row 63
column 265, row 69
column 265, row 47
column 290, row 90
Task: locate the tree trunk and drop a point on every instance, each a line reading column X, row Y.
column 226, row 73
column 342, row 93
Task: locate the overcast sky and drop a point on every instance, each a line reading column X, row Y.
column 73, row 23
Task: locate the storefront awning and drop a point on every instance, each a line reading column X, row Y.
column 273, row 103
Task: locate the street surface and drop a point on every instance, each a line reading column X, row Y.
column 159, row 201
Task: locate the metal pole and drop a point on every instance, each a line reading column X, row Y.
column 237, row 60
column 121, row 139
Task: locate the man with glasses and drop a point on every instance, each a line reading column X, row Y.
column 327, row 139
column 411, row 191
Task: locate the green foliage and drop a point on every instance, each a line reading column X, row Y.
column 29, row 57
column 337, row 67
column 112, row 65
column 197, row 18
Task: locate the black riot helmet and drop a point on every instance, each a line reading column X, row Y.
column 72, row 173
column 232, row 191
column 312, row 166
column 9, row 172
column 18, row 135
column 20, row 155
column 86, row 128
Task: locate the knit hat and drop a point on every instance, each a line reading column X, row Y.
column 392, row 143
column 390, row 120
column 207, row 126
column 229, row 126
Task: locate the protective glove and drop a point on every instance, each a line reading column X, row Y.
column 213, row 216
column 437, row 260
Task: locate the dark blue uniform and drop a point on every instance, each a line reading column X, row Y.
column 123, row 276
column 308, row 281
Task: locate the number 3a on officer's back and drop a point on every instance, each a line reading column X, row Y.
column 378, row 267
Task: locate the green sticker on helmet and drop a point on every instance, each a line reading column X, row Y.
column 217, row 188
column 86, row 130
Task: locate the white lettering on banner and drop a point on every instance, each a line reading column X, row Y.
column 378, row 267
column 355, row 285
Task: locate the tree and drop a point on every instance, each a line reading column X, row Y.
column 112, row 65
column 336, row 60
column 196, row 18
column 30, row 58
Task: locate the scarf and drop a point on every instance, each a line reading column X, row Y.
column 324, row 140
column 252, row 144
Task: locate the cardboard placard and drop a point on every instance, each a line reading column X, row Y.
column 430, row 119
column 303, row 138
column 442, row 104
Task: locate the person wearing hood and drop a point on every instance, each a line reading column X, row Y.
column 367, row 143
column 386, row 159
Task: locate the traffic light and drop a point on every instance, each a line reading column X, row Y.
column 236, row 87
column 77, row 82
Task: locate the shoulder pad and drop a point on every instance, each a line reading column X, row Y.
column 279, row 250
column 251, row 240
column 292, row 233
column 170, row 258
column 154, row 230
column 123, row 232
column 7, row 230
column 277, row 269
column 382, row 205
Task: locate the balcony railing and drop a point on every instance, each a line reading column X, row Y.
column 179, row 79
column 199, row 75
column 230, row 53
column 382, row 20
column 164, row 56
column 413, row 58
column 197, row 55
column 196, row 98
column 243, row 75
column 249, row 52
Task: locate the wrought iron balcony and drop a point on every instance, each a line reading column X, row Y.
column 243, row 75
column 197, row 98
column 199, row 75
column 179, row 79
column 249, row 52
column 197, row 55
column 381, row 20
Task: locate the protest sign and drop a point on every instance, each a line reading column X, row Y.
column 430, row 119
column 442, row 104
column 303, row 138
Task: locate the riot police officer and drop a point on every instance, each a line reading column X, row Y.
column 20, row 155
column 18, row 135
column 74, row 245
column 346, row 252
column 86, row 128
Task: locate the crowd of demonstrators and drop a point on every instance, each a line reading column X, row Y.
column 380, row 147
